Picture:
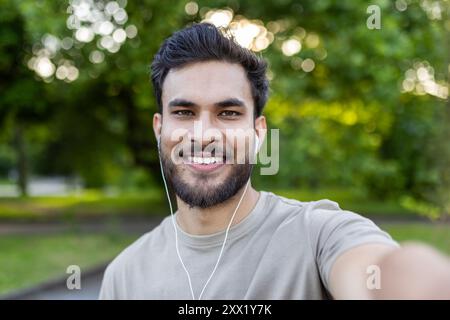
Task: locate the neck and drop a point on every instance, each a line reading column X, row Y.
column 198, row 221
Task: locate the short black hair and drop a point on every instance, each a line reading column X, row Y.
column 205, row 42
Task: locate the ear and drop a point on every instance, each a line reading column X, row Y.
column 261, row 129
column 157, row 125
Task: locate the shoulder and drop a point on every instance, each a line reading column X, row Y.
column 294, row 203
column 323, row 219
column 306, row 211
column 131, row 258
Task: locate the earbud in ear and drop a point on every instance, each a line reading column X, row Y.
column 256, row 144
column 159, row 142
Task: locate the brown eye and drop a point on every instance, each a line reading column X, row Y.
column 230, row 113
column 183, row 113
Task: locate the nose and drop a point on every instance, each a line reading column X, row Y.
column 204, row 131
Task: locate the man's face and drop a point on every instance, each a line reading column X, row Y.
column 215, row 96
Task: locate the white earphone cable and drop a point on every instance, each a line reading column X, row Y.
column 176, row 235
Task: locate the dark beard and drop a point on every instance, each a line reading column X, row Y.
column 194, row 197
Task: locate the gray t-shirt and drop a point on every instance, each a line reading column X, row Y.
column 284, row 249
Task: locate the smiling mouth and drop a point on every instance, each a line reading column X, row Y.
column 204, row 160
column 205, row 164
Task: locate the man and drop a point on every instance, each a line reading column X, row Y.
column 227, row 240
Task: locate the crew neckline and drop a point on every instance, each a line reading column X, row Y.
column 252, row 220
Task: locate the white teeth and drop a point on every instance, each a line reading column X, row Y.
column 205, row 160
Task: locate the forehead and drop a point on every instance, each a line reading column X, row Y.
column 207, row 82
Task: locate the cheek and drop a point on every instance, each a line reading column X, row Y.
column 173, row 138
column 239, row 145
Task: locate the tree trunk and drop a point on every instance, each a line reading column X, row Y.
column 22, row 166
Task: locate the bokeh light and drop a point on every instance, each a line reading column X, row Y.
column 88, row 20
column 44, row 67
column 250, row 34
column 96, row 56
column 308, row 65
column 291, row 47
column 420, row 80
column 191, row 8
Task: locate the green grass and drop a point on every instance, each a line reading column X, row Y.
column 436, row 235
column 152, row 202
column 88, row 204
column 91, row 204
column 352, row 200
column 31, row 259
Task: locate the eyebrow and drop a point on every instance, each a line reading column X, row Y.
column 181, row 103
column 231, row 102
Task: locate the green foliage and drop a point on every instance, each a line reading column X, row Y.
column 347, row 122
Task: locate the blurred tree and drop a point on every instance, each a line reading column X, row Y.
column 356, row 107
column 21, row 102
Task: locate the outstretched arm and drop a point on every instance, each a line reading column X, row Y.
column 378, row 271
